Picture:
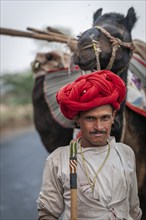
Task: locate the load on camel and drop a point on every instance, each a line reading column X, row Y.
column 107, row 45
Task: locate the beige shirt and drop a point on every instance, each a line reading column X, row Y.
column 115, row 191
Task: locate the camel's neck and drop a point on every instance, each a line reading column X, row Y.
column 118, row 127
column 124, row 75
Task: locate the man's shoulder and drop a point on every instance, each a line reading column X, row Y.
column 121, row 146
column 59, row 152
column 125, row 149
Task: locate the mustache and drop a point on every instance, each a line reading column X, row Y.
column 98, row 132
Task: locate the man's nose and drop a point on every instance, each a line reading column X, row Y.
column 98, row 124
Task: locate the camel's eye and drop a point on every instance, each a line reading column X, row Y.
column 49, row 57
column 91, row 36
column 119, row 36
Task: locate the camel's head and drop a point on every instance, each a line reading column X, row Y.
column 50, row 62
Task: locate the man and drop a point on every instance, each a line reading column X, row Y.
column 106, row 176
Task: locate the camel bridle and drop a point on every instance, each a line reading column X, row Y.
column 116, row 44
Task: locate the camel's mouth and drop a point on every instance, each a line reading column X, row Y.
column 87, row 65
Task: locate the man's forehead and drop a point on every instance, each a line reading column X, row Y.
column 102, row 110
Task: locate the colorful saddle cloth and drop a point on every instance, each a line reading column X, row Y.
column 52, row 83
column 136, row 85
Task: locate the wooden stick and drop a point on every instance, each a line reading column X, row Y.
column 37, row 30
column 40, row 36
column 71, row 42
column 54, row 30
column 73, row 204
column 50, row 33
column 73, row 179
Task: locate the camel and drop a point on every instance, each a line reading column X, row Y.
column 108, row 45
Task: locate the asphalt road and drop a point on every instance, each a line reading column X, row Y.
column 22, row 162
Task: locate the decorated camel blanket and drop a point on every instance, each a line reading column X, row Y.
column 52, row 83
column 136, row 85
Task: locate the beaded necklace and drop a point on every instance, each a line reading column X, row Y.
column 92, row 183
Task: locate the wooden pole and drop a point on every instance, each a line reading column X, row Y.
column 73, row 179
column 73, row 204
column 41, row 35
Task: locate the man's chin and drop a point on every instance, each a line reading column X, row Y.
column 99, row 143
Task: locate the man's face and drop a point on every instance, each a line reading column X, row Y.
column 96, row 125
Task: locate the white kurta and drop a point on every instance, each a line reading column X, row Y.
column 115, row 192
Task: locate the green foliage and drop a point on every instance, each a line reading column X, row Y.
column 16, row 89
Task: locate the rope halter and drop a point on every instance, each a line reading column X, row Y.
column 116, row 43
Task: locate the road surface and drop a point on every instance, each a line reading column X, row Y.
column 22, row 162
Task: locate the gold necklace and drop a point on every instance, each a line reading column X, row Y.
column 92, row 183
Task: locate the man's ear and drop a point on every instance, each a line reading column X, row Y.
column 114, row 114
column 76, row 118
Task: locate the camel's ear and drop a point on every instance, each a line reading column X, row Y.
column 131, row 18
column 97, row 14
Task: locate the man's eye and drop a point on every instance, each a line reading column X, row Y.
column 89, row 118
column 106, row 117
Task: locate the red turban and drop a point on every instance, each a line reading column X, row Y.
column 90, row 91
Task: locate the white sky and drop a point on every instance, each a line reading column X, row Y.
column 17, row 53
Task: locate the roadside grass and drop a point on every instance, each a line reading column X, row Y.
column 16, row 110
column 16, row 117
